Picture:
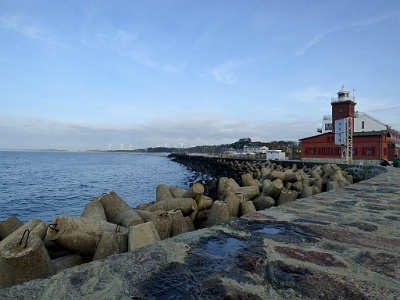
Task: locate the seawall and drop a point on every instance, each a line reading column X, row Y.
column 341, row 244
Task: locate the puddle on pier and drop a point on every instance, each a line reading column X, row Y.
column 279, row 231
column 224, row 248
column 271, row 230
column 210, row 259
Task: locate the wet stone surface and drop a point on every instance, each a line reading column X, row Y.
column 318, row 258
column 250, row 260
column 386, row 190
column 367, row 198
column 226, row 256
column 311, row 284
column 172, row 282
column 334, row 247
column 382, row 263
column 393, row 218
column 317, row 216
column 278, row 231
column 347, row 236
column 345, row 202
column 330, row 212
column 78, row 278
column 311, row 221
column 207, row 263
column 363, row 226
column 375, row 207
column 224, row 248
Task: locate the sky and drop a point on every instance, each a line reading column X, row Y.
column 82, row 75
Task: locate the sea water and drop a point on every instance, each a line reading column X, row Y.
column 45, row 185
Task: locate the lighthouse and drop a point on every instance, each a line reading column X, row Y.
column 343, row 107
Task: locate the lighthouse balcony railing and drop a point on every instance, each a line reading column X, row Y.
column 337, row 99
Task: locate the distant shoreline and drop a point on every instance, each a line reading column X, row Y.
column 35, row 150
column 87, row 151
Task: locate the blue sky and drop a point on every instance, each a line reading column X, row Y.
column 82, row 75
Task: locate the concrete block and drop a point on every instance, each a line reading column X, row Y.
column 233, row 201
column 95, row 210
column 111, row 243
column 178, row 225
column 262, row 202
column 246, row 207
column 23, row 258
column 177, row 192
column 8, row 226
column 219, row 212
column 79, row 235
column 186, row 205
column 195, row 192
column 163, row 192
column 141, row 235
column 66, row 262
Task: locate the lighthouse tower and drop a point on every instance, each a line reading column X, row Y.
column 343, row 107
column 343, row 123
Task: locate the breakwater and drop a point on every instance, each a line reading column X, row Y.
column 209, row 169
column 335, row 245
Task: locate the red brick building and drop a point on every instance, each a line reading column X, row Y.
column 364, row 147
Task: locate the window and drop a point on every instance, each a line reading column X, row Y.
column 311, row 150
column 362, row 125
column 328, row 126
column 323, row 150
column 330, row 150
column 339, row 151
column 340, row 109
column 369, row 151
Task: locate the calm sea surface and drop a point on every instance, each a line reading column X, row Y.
column 46, row 185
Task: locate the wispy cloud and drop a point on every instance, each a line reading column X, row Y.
column 225, row 72
column 126, row 44
column 130, row 45
column 383, row 111
column 310, row 94
column 171, row 68
column 315, row 41
column 376, row 19
column 383, row 105
column 27, row 28
column 358, row 24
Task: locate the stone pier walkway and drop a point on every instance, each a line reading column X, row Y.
column 342, row 244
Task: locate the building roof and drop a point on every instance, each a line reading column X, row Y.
column 372, row 133
column 310, row 137
column 365, row 133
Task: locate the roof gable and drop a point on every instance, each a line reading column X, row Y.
column 318, row 135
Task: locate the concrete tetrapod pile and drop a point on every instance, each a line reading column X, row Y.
column 280, row 185
column 208, row 170
column 108, row 225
